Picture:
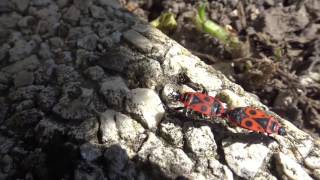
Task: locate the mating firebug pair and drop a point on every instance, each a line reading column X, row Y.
column 246, row 117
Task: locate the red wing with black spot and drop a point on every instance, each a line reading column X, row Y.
column 253, row 119
column 202, row 103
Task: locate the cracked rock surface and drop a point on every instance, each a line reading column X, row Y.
column 85, row 94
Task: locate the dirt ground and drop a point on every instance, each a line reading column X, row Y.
column 280, row 61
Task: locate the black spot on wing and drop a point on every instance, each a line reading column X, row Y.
column 253, row 112
column 204, row 108
column 262, row 121
column 195, row 100
column 248, row 123
column 237, row 115
column 207, row 99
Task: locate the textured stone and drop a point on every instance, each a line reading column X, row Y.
column 200, row 141
column 22, row 93
column 212, row 169
column 4, row 49
column 138, row 40
column 146, row 105
column 82, row 4
column 245, row 161
column 108, row 127
column 114, row 89
column 40, row 3
column 147, row 72
column 95, row 73
column 278, row 21
column 23, row 78
column 289, row 168
column 9, row 20
column 21, row 5
column 97, row 12
column 171, row 131
column 88, row 42
column 111, row 3
column 30, row 63
column 172, row 162
column 73, row 103
column 72, row 15
column 231, row 99
column 129, row 129
column 196, row 70
column 21, row 50
column 90, row 152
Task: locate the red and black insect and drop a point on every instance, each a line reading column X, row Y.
column 254, row 119
column 200, row 102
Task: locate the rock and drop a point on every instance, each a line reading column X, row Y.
column 4, row 49
column 172, row 132
column 82, row 4
column 24, row 105
column 47, row 98
column 312, row 162
column 146, row 106
column 194, row 69
column 56, row 42
column 279, row 21
column 6, row 144
column 94, row 172
column 95, row 73
column 5, row 6
column 200, row 141
column 213, row 169
column 88, row 42
column 169, row 160
column 97, row 12
column 90, row 152
column 172, row 162
column 263, row 175
column 129, row 130
column 44, row 74
column 231, row 99
column 25, row 119
column 21, row 50
column 40, row 3
column 21, row 5
column 138, row 40
column 46, row 130
column 44, row 51
column 114, row 89
column 73, row 105
column 116, row 159
column 66, row 74
column 72, row 15
column 313, row 7
column 148, row 72
column 3, row 110
column 87, row 131
column 289, row 168
column 108, row 127
column 62, row 3
column 116, row 60
column 23, row 93
column 244, row 160
column 111, row 3
column 26, row 22
column 23, row 78
column 6, row 163
column 29, row 63
column 9, row 20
